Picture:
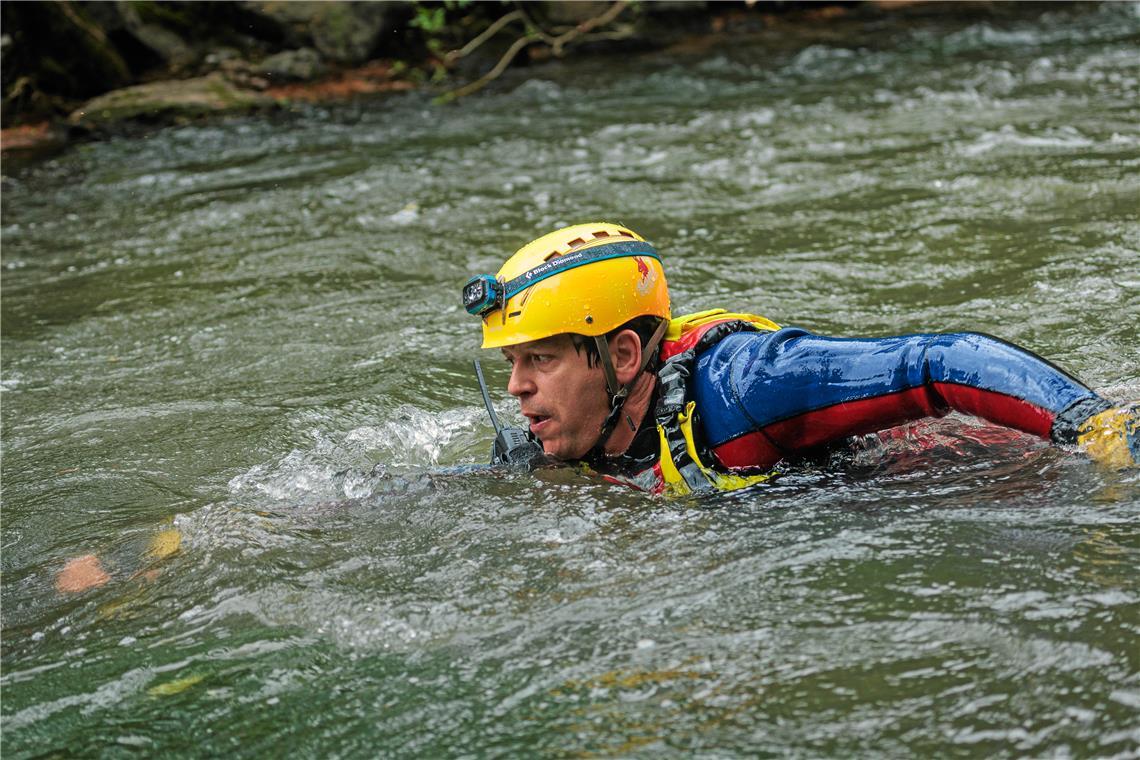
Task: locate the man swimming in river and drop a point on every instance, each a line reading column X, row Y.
column 717, row 400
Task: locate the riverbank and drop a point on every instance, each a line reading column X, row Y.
column 141, row 67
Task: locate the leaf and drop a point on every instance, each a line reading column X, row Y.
column 176, row 686
column 164, row 544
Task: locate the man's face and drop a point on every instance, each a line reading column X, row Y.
column 563, row 397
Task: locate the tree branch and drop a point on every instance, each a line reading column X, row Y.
column 589, row 24
column 482, row 81
column 487, row 34
column 533, row 32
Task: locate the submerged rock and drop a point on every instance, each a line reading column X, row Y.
column 169, row 101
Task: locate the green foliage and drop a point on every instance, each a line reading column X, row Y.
column 430, row 20
column 433, row 19
column 435, row 22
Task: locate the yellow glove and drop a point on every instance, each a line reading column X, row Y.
column 1112, row 437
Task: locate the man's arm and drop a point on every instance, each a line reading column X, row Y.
column 772, row 396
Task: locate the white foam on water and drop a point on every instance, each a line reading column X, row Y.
column 350, row 464
column 1009, row 136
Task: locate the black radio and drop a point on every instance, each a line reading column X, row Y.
column 514, row 447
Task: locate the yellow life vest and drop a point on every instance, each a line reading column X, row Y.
column 680, row 469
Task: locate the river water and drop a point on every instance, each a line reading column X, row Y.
column 249, row 332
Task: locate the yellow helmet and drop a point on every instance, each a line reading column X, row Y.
column 586, row 279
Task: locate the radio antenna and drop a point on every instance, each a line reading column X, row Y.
column 487, row 397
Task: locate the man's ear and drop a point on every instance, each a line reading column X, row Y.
column 625, row 348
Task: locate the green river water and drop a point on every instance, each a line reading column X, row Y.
column 250, row 331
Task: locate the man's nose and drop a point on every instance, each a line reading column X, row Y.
column 520, row 383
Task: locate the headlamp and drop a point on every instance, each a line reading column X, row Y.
column 484, row 293
column 481, row 294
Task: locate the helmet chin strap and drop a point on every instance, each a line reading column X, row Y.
column 619, row 393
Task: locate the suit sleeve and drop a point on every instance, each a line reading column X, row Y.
column 770, row 396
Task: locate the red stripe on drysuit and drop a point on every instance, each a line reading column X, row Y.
column 759, row 449
column 998, row 408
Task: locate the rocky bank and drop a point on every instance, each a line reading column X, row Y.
column 77, row 70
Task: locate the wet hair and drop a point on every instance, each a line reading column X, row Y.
column 644, row 326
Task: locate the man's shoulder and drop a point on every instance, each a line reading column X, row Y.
column 688, row 330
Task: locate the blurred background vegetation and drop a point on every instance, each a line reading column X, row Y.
column 57, row 56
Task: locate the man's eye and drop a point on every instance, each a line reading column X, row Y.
column 542, row 358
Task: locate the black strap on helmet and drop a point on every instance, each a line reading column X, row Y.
column 575, row 259
column 619, row 393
